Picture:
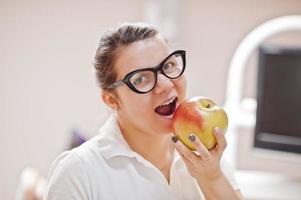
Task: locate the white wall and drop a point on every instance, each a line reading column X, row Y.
column 211, row 31
column 47, row 85
column 47, row 80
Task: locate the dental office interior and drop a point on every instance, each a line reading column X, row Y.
column 246, row 55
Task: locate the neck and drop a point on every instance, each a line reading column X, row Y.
column 155, row 148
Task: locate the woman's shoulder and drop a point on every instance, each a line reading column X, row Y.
column 66, row 163
column 81, row 156
column 73, row 170
column 66, row 174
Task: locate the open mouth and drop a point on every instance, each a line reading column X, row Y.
column 167, row 108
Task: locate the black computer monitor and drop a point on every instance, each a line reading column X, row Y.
column 278, row 117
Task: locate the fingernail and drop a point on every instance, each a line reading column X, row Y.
column 174, row 139
column 191, row 137
column 217, row 130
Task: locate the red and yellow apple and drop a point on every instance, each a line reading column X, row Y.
column 199, row 116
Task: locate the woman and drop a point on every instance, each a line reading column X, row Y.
column 135, row 156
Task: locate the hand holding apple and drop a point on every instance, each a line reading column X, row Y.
column 205, row 166
column 199, row 115
column 195, row 124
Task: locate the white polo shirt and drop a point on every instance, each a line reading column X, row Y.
column 105, row 168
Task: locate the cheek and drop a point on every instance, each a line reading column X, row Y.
column 133, row 103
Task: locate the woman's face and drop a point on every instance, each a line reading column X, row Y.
column 150, row 112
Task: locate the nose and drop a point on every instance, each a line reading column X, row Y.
column 163, row 84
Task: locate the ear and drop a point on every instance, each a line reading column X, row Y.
column 110, row 99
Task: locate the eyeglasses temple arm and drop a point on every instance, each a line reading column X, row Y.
column 115, row 84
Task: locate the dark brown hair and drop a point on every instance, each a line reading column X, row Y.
column 110, row 45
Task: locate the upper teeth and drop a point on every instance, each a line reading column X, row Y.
column 168, row 102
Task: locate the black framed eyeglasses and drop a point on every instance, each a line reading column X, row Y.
column 144, row 80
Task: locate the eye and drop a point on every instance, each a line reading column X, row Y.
column 143, row 79
column 169, row 67
column 138, row 80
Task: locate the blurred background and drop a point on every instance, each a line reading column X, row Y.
column 48, row 90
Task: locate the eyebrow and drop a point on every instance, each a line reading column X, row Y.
column 145, row 68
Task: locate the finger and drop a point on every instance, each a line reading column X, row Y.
column 184, row 151
column 186, row 161
column 200, row 147
column 220, row 139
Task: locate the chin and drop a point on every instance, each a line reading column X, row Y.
column 163, row 125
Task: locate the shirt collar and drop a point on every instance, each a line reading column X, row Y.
column 111, row 142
